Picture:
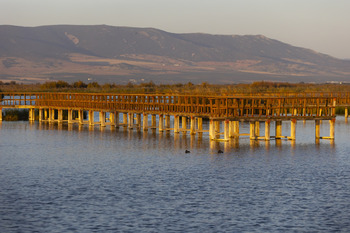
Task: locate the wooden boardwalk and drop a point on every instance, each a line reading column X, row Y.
column 227, row 110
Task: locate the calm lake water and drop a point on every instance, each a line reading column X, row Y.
column 60, row 178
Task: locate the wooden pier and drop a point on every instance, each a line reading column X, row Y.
column 134, row 109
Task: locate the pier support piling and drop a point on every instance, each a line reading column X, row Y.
column 267, row 130
column 176, row 124
column 145, row 122
column 161, row 123
column 212, row 131
column 193, row 126
column 278, row 129
column 293, row 129
column 317, row 129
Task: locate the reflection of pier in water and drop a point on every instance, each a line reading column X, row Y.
column 184, row 114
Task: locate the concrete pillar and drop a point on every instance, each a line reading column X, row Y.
column 331, row 129
column 167, row 122
column 267, row 130
column 193, row 125
column 317, row 129
column 138, row 120
column 60, row 115
column 227, row 130
column 278, row 129
column 131, row 120
column 70, row 116
column 252, row 130
column 161, row 123
column 212, row 133
column 176, row 124
column 257, row 129
column 91, row 117
column 293, row 124
column 125, row 119
column 103, row 119
column 145, row 122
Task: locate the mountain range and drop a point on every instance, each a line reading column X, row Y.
column 122, row 54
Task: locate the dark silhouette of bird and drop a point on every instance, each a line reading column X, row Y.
column 220, row 151
column 187, row 151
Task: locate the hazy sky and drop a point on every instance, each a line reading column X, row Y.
column 321, row 25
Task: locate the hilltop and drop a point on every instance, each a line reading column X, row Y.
column 122, row 54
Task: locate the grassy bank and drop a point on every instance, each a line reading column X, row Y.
column 179, row 88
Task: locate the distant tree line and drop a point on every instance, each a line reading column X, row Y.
column 203, row 88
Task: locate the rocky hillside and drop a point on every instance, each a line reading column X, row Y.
column 123, row 54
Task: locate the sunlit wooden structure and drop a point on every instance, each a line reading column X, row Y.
column 227, row 110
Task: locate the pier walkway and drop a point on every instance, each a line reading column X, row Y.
column 134, row 109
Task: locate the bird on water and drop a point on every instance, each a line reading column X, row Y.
column 220, row 151
column 187, row 151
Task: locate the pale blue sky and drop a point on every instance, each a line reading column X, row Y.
column 321, row 25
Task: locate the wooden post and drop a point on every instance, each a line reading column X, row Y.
column 252, row 130
column 200, row 124
column 176, row 124
column 70, row 116
column 331, row 129
column 116, row 119
column 145, row 122
column 0, row 114
column 317, row 129
column 184, row 124
column 212, row 132
column 131, row 120
column 91, row 117
column 346, row 112
column 60, row 115
column 103, row 119
column 40, row 114
column 193, row 126
column 45, row 114
column 257, row 128
column 236, row 129
column 227, row 130
column 138, row 120
column 112, row 119
column 217, row 127
column 231, row 129
column 81, row 116
column 161, row 123
column 167, row 121
column 154, row 121
column 278, row 129
column 51, row 115
column 267, row 130
column 31, row 114
column 293, row 129
column 125, row 119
